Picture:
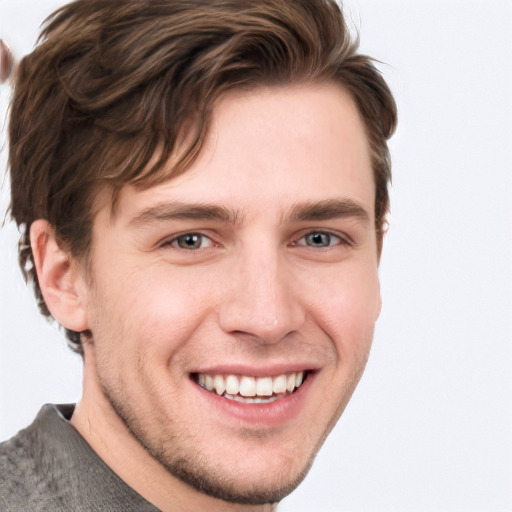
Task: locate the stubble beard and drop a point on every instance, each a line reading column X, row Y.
column 185, row 463
column 179, row 454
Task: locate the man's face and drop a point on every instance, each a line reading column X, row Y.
column 255, row 270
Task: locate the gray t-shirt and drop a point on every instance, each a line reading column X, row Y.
column 50, row 466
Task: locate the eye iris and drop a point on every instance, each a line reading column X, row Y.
column 189, row 241
column 319, row 239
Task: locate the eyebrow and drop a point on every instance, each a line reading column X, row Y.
column 301, row 212
column 164, row 212
column 328, row 209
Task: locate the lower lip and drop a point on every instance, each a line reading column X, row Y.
column 270, row 414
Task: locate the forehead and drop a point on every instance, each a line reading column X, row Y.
column 270, row 148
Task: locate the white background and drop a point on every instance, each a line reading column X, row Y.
column 430, row 427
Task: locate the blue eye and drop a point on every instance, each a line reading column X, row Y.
column 190, row 242
column 319, row 240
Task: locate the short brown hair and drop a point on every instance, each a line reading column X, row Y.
column 113, row 81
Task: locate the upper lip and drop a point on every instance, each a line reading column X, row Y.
column 256, row 371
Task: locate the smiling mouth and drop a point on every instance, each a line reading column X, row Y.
column 253, row 390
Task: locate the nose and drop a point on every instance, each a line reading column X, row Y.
column 261, row 299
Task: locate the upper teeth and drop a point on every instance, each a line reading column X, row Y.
column 250, row 386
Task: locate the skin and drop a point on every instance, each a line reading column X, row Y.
column 257, row 295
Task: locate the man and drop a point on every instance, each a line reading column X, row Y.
column 201, row 188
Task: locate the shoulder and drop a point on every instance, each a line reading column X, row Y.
column 25, row 482
column 50, row 466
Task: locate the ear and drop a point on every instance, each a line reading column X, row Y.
column 380, row 239
column 379, row 305
column 58, row 276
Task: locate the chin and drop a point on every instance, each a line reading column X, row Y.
column 246, row 487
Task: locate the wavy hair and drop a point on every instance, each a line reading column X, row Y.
column 112, row 83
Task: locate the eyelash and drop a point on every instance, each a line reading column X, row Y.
column 175, row 240
column 327, row 237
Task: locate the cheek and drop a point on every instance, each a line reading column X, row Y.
column 150, row 307
column 346, row 304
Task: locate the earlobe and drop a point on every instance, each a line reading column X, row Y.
column 58, row 278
